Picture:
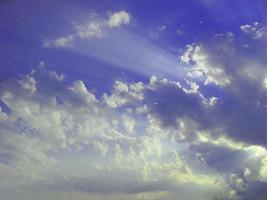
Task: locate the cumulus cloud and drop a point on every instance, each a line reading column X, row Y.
column 68, row 139
column 124, row 94
column 140, row 140
column 118, row 19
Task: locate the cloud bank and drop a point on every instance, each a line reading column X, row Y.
column 154, row 140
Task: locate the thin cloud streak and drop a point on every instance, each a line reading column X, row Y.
column 133, row 52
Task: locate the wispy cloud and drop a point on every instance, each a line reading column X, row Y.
column 92, row 29
column 108, row 40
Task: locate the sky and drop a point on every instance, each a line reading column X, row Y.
column 136, row 100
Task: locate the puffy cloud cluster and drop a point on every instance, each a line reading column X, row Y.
column 63, row 138
column 95, row 28
column 141, row 141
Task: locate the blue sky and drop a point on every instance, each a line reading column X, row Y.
column 133, row 100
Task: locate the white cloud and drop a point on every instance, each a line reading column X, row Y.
column 196, row 57
column 122, row 94
column 265, row 82
column 92, row 29
column 263, row 170
column 101, row 147
column 80, row 90
column 121, row 87
column 60, row 42
column 28, row 83
column 128, row 123
column 118, row 19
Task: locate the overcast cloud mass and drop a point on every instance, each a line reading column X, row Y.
column 133, row 100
